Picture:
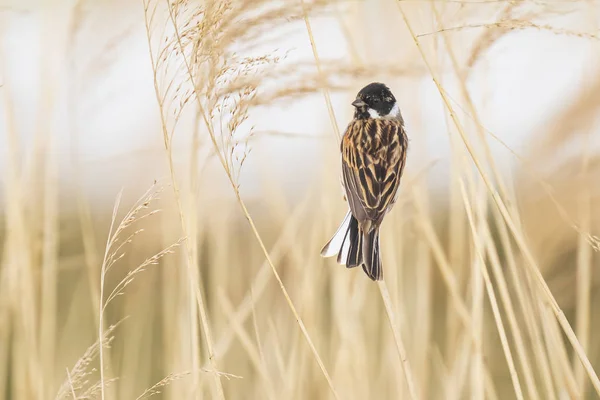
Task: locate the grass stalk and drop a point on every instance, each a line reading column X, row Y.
column 385, row 295
column 477, row 237
column 530, row 260
column 382, row 286
column 242, row 204
column 194, row 277
column 313, row 45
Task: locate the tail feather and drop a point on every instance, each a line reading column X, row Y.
column 371, row 257
column 354, row 256
column 345, row 243
column 344, row 250
column 354, row 247
column 336, row 243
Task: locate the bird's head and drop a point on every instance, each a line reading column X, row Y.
column 376, row 101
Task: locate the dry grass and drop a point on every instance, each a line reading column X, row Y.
column 200, row 291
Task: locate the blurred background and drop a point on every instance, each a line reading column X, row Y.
column 160, row 161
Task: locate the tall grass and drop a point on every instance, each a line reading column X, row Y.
column 200, row 291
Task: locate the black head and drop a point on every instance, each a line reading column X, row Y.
column 374, row 101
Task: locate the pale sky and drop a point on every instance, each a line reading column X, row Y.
column 525, row 77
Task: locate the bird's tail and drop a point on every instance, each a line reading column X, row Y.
column 346, row 243
column 354, row 247
column 371, row 258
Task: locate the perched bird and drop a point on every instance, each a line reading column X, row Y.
column 373, row 156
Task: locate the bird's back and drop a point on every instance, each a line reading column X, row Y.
column 373, row 158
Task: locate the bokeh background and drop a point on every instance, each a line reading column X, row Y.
column 136, row 245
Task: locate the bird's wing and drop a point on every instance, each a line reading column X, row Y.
column 373, row 157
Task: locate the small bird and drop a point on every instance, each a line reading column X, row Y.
column 373, row 156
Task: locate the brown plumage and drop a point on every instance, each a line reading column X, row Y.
column 373, row 157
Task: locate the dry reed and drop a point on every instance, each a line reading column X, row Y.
column 491, row 286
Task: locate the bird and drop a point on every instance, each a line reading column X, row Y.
column 373, row 150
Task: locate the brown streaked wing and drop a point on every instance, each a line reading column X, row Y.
column 373, row 156
column 350, row 162
column 396, row 149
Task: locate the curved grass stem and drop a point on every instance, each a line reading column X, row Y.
column 519, row 239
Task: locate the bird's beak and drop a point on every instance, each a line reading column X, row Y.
column 358, row 103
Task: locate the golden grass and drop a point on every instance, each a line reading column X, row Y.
column 199, row 291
